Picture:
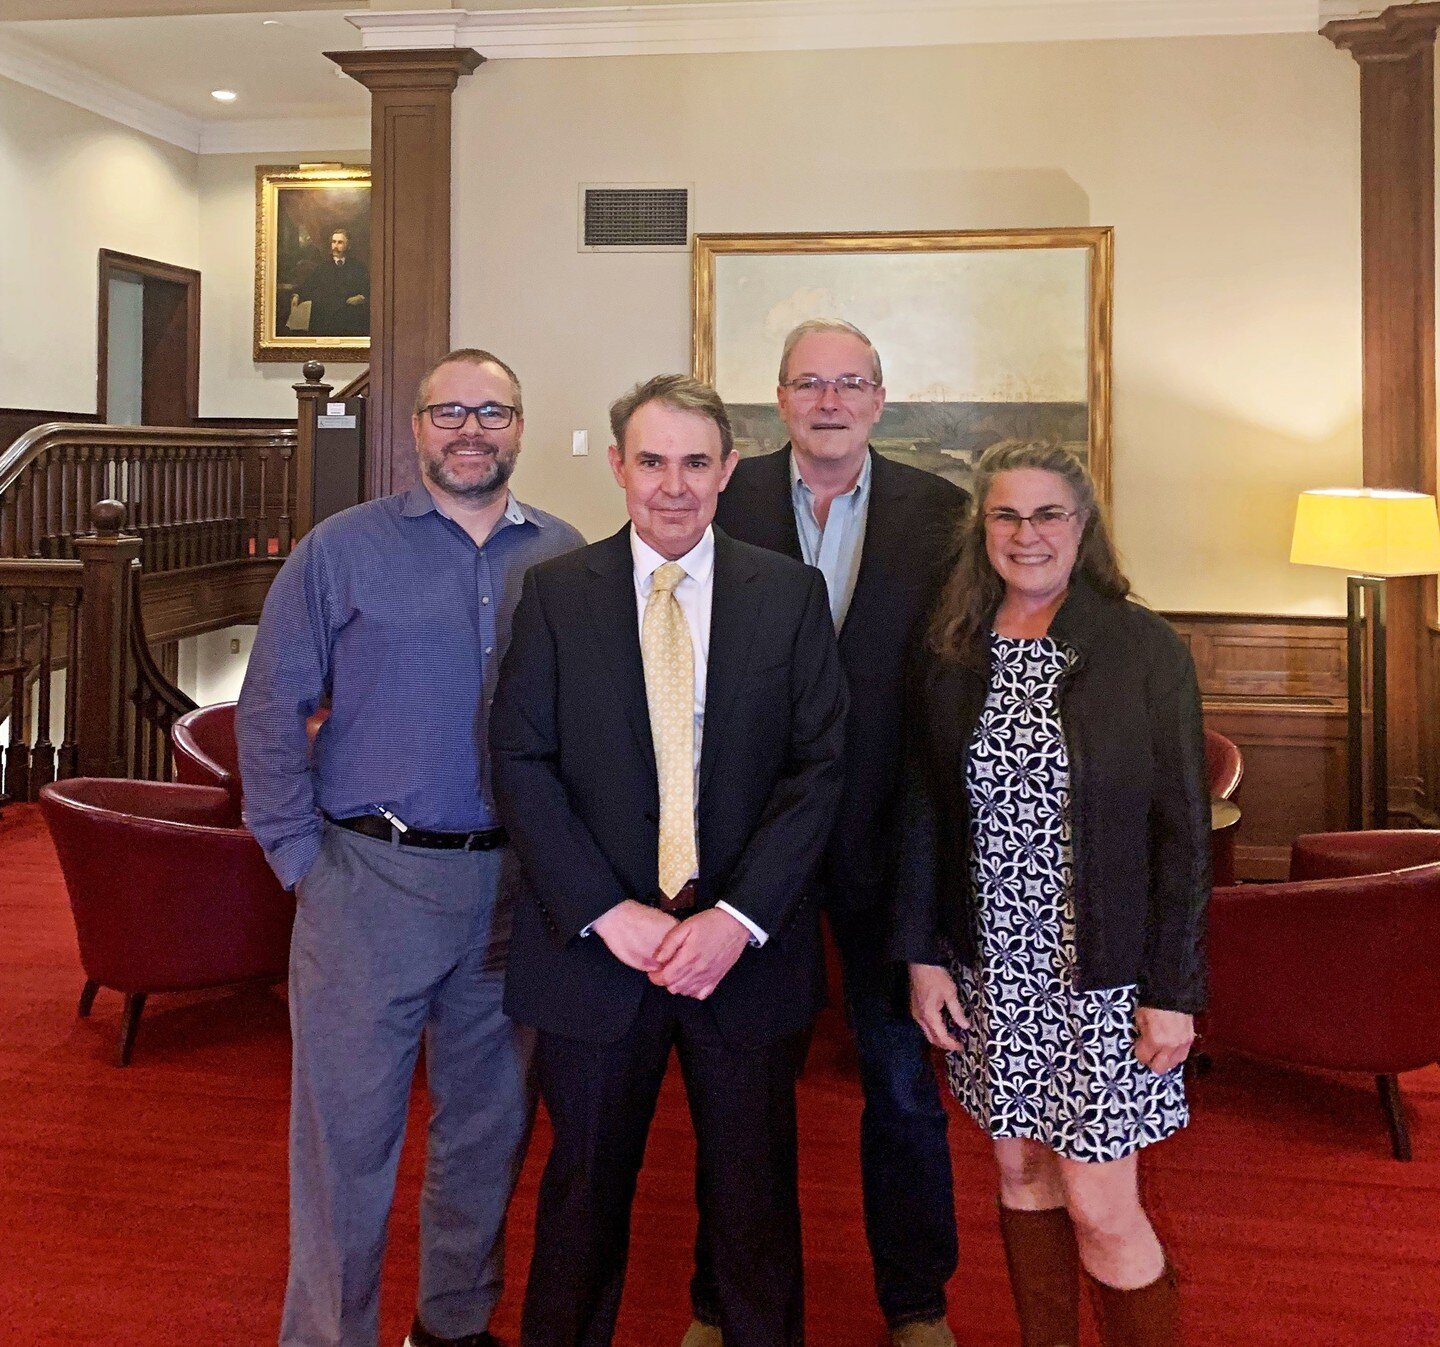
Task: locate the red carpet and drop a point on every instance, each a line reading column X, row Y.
column 147, row 1206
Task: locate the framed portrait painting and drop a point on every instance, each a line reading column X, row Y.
column 984, row 336
column 312, row 262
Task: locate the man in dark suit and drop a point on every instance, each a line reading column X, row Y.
column 339, row 293
column 667, row 737
column 881, row 533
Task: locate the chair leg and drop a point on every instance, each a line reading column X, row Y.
column 1394, row 1105
column 130, row 1026
column 87, row 996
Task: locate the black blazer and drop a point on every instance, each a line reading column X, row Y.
column 1139, row 812
column 575, row 781
column 909, row 540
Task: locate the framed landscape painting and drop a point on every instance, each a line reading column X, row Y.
column 984, row 336
column 312, row 262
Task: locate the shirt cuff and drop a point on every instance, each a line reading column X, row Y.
column 292, row 861
column 757, row 936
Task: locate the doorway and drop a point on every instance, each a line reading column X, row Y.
column 149, row 342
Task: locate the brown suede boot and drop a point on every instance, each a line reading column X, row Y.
column 1148, row 1316
column 1044, row 1275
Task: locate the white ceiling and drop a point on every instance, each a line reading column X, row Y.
column 277, row 69
column 152, row 63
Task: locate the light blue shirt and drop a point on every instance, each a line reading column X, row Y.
column 835, row 549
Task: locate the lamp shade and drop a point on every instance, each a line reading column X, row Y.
column 1367, row 532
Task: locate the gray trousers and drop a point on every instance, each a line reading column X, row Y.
column 391, row 943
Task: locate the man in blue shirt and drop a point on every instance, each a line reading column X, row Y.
column 396, row 614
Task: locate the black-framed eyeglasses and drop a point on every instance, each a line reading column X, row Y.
column 453, row 415
column 1047, row 519
column 848, row 386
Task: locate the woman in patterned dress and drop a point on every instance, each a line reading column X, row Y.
column 1053, row 887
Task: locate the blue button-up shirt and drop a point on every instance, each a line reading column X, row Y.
column 392, row 613
column 835, row 549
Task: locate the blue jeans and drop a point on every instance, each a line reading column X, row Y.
column 905, row 1172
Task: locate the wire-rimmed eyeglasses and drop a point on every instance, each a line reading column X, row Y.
column 453, row 415
column 848, row 387
column 1047, row 519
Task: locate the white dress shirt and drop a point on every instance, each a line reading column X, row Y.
column 694, row 594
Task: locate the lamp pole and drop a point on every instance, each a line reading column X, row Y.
column 1356, row 589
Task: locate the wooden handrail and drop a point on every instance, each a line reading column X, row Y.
column 193, row 496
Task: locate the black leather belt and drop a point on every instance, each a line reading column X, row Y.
column 485, row 839
column 684, row 901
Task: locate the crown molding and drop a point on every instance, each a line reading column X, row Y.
column 807, row 25
column 27, row 64
column 296, row 135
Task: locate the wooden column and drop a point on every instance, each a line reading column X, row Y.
column 410, row 94
column 1396, row 53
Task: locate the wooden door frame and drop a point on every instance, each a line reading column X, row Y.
column 111, row 262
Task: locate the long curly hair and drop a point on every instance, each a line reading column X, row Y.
column 960, row 626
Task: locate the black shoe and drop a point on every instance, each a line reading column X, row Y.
column 420, row 1336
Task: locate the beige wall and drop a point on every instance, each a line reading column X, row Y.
column 1228, row 167
column 231, row 382
column 72, row 183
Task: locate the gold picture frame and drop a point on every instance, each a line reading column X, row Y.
column 308, row 305
column 985, row 335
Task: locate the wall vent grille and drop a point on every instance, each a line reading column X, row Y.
column 648, row 219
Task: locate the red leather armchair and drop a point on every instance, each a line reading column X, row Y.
column 166, row 896
column 1355, row 929
column 1223, row 765
column 205, row 752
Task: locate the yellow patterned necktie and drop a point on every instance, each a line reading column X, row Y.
column 670, row 691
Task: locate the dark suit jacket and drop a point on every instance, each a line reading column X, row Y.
column 909, row 543
column 328, row 288
column 575, row 781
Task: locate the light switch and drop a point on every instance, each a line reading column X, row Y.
column 580, row 443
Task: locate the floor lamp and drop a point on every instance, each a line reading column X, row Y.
column 1373, row 535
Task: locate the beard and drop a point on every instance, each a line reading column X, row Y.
column 439, row 472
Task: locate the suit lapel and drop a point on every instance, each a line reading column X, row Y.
column 615, row 632
column 768, row 505
column 734, row 609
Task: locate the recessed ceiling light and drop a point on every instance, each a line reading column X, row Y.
column 224, row 95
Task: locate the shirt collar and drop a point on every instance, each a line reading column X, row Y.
column 420, row 501
column 800, row 489
column 698, row 563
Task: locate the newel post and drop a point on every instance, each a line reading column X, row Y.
column 311, row 396
column 108, row 557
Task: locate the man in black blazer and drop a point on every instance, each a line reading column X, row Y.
column 667, row 737
column 882, row 533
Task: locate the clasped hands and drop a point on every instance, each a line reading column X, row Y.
column 1162, row 1037
column 686, row 957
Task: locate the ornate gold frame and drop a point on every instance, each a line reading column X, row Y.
column 1098, row 240
column 270, row 180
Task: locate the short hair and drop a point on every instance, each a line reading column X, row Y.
column 341, row 230
column 828, row 325
column 468, row 355
column 682, row 393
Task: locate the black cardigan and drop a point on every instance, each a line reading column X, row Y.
column 1140, row 817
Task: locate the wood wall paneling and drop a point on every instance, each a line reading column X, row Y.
column 1276, row 687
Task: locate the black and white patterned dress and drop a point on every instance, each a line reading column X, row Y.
column 1041, row 1060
